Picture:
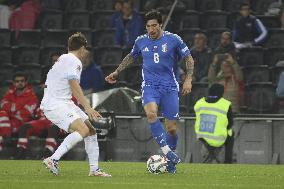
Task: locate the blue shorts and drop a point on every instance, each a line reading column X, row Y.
column 167, row 99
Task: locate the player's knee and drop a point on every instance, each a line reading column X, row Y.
column 172, row 131
column 171, row 128
column 152, row 117
column 84, row 131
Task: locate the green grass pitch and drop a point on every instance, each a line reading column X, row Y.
column 73, row 174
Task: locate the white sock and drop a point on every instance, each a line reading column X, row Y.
column 92, row 149
column 67, row 144
column 165, row 149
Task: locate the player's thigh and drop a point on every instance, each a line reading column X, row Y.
column 150, row 95
column 171, row 125
column 170, row 105
column 79, row 126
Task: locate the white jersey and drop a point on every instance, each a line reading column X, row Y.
column 57, row 89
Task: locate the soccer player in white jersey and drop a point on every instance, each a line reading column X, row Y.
column 62, row 81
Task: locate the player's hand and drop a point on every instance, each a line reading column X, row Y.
column 186, row 88
column 112, row 78
column 93, row 114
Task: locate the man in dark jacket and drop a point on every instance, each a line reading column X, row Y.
column 226, row 45
column 202, row 55
column 248, row 30
column 128, row 25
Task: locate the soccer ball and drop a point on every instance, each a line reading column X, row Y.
column 157, row 164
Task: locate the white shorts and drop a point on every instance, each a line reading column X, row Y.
column 64, row 115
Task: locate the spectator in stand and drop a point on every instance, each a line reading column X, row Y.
column 117, row 7
column 202, row 55
column 37, row 127
column 128, row 25
column 92, row 79
column 5, row 13
column 17, row 107
column 231, row 77
column 25, row 16
column 226, row 45
column 248, row 30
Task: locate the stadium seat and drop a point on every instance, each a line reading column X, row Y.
column 77, row 20
column 275, row 38
column 277, row 70
column 5, row 55
column 198, row 91
column 87, row 32
column 104, row 37
column 187, row 20
column 251, row 56
column 253, row 74
column 52, row 19
column 214, row 36
column 26, row 55
column 6, row 72
column 269, row 21
column 261, row 6
column 187, row 35
column 205, row 5
column 32, row 70
column 46, row 52
column 108, row 55
column 101, row 19
column 231, row 19
column 5, row 37
column 232, row 5
column 53, row 38
column 190, row 4
column 77, row 5
column 273, row 55
column 214, row 19
column 259, row 97
column 97, row 5
column 29, row 38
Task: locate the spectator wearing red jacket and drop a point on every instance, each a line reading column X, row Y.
column 17, row 107
column 25, row 16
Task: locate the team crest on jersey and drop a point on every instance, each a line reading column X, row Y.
column 164, row 47
column 146, row 49
column 79, row 68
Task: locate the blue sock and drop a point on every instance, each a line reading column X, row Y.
column 172, row 141
column 159, row 133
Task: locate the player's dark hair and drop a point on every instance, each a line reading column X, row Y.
column 244, row 4
column 216, row 90
column 153, row 15
column 130, row 2
column 76, row 41
column 20, row 74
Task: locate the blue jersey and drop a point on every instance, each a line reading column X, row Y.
column 160, row 58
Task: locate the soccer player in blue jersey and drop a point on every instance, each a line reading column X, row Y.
column 161, row 51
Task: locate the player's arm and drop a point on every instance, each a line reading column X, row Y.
column 129, row 59
column 79, row 95
column 189, row 64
